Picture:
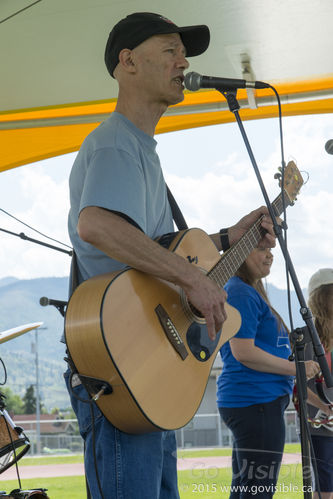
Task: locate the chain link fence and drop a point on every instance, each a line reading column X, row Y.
column 204, row 430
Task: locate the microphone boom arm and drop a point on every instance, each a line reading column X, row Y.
column 26, row 238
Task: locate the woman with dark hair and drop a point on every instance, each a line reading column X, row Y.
column 256, row 381
column 320, row 301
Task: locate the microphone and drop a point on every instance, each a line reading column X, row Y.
column 44, row 301
column 329, row 146
column 193, row 81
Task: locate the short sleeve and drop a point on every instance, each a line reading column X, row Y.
column 115, row 181
column 248, row 308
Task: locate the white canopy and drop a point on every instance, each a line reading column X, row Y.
column 55, row 88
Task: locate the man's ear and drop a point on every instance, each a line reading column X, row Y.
column 126, row 60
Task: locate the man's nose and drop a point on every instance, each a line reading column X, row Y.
column 183, row 62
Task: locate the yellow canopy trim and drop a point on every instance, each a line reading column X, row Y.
column 29, row 135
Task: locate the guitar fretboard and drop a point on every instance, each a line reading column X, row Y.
column 230, row 261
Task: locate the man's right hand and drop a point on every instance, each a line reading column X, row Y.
column 115, row 237
column 207, row 297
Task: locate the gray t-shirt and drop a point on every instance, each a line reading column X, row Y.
column 117, row 168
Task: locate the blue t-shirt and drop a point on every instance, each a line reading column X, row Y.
column 117, row 168
column 238, row 385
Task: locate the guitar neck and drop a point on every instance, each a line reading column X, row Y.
column 230, row 261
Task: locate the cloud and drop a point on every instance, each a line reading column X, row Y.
column 216, row 199
column 41, row 201
column 213, row 200
column 210, row 174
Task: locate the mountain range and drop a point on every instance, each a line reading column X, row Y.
column 19, row 305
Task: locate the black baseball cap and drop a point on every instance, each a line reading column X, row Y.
column 138, row 27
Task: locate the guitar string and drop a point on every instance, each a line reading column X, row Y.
column 224, row 269
column 227, row 265
column 241, row 250
column 229, row 262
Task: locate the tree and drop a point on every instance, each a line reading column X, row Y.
column 29, row 401
column 13, row 403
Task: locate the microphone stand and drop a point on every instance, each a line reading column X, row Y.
column 26, row 238
column 299, row 334
column 60, row 306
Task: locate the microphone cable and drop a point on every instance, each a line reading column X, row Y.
column 35, row 230
column 284, row 229
column 284, row 225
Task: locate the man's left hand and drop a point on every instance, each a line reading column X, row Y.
column 236, row 231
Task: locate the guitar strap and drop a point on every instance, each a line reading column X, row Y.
column 74, row 273
column 179, row 221
column 176, row 213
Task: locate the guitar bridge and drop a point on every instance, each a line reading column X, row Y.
column 171, row 332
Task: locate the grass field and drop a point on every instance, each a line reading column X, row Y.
column 203, row 484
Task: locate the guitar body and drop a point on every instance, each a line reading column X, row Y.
column 138, row 334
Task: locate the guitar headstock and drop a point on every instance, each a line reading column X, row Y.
column 293, row 181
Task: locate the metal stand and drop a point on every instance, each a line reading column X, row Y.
column 230, row 95
column 60, row 305
column 26, row 238
column 299, row 338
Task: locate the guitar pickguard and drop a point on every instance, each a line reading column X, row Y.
column 199, row 343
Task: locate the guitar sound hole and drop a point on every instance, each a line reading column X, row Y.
column 195, row 311
column 191, row 312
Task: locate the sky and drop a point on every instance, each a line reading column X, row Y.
column 212, row 178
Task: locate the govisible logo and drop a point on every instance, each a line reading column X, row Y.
column 193, row 259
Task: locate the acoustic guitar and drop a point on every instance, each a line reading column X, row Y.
column 140, row 346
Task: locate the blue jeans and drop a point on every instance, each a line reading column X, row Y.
column 259, row 436
column 129, row 466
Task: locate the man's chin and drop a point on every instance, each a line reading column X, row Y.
column 176, row 99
